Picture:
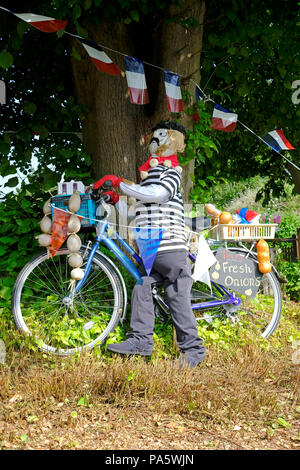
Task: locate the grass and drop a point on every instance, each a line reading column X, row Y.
column 243, row 396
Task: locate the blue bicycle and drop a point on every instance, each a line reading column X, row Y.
column 63, row 322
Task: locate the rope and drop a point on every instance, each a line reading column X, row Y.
column 119, row 225
column 205, row 97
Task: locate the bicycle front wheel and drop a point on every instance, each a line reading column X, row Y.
column 261, row 314
column 42, row 308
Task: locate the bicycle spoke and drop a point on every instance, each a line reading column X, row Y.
column 65, row 323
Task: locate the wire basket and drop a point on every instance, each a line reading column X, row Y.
column 87, row 208
column 242, row 231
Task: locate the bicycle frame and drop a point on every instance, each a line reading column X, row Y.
column 102, row 236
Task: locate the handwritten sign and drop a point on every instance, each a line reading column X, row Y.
column 236, row 272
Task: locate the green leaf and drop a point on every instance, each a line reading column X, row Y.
column 32, row 419
column 6, row 59
column 24, row 437
column 282, row 422
column 75, row 53
column 76, row 12
column 4, row 148
column 12, row 182
column 29, row 108
column 22, row 27
column 135, row 15
column 83, row 401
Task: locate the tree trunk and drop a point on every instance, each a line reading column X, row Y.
column 113, row 127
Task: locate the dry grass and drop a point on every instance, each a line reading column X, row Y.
column 245, row 398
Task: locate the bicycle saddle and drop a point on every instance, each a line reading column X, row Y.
column 197, row 224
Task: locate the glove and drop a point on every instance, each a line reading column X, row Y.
column 114, row 179
column 114, row 197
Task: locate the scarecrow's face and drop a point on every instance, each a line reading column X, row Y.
column 158, row 139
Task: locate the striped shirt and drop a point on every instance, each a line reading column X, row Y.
column 168, row 215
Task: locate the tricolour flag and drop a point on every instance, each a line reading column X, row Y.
column 223, row 119
column 43, row 23
column 199, row 95
column 100, row 59
column 277, row 140
column 173, row 92
column 136, row 81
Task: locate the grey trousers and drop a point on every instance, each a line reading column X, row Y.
column 174, row 272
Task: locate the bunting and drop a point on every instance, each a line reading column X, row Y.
column 43, row 23
column 136, row 81
column 59, row 229
column 148, row 241
column 173, row 92
column 100, row 58
column 199, row 95
column 222, row 118
column 277, row 140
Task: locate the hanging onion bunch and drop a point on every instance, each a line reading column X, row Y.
column 44, row 238
column 73, row 242
column 263, row 256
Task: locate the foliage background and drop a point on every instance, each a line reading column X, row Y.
column 249, row 60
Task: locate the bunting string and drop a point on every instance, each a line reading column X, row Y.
column 222, row 119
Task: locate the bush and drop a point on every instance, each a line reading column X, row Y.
column 291, row 271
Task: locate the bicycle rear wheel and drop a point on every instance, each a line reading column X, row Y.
column 42, row 310
column 261, row 314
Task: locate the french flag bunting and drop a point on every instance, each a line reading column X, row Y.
column 173, row 92
column 277, row 140
column 223, row 119
column 136, row 81
column 100, row 59
column 43, row 23
column 199, row 93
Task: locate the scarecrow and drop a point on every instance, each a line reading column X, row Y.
column 159, row 205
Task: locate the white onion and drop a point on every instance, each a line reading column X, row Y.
column 47, row 207
column 73, row 243
column 75, row 260
column 74, row 224
column 44, row 239
column 46, row 224
column 77, row 274
column 74, row 202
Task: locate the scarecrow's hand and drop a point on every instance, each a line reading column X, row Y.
column 115, row 180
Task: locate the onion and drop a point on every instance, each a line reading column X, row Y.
column 262, row 245
column 265, row 267
column 263, row 256
column 74, row 224
column 225, row 218
column 75, row 202
column 77, row 274
column 46, row 224
column 47, row 209
column 73, row 243
column 44, row 239
column 75, row 260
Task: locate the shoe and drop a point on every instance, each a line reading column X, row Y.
column 189, row 361
column 130, row 347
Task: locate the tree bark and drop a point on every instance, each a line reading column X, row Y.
column 113, row 127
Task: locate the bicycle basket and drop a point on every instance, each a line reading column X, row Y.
column 242, row 231
column 87, row 209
